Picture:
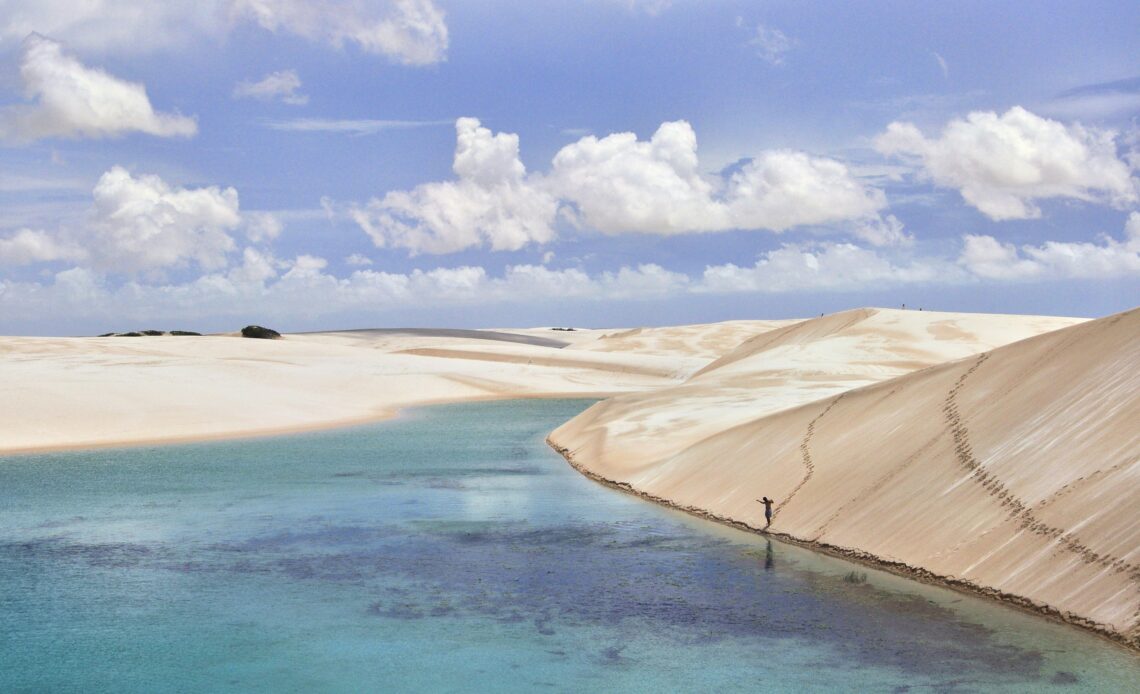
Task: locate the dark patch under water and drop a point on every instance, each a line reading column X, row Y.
column 543, row 549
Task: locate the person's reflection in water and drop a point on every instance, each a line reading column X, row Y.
column 768, row 563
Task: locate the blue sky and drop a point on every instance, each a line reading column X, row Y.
column 318, row 165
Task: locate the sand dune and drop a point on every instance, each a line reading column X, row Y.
column 1013, row 471
column 66, row 392
column 794, row 364
column 998, row 452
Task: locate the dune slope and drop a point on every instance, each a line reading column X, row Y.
column 1015, row 471
column 788, row 365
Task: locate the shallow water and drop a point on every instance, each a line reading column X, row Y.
column 451, row 550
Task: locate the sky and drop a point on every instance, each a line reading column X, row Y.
column 333, row 164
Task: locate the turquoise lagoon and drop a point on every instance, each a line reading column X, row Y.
column 451, row 550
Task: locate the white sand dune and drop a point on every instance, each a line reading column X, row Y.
column 69, row 392
column 1015, row 471
column 998, row 452
column 790, row 365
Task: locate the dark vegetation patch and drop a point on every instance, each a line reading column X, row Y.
column 260, row 332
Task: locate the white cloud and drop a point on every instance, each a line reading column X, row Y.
column 782, row 189
column 942, row 64
column 987, row 257
column 303, row 287
column 282, row 85
column 358, row 260
column 620, row 184
column 126, row 26
column 887, row 231
column 1116, row 100
column 28, row 246
column 257, row 267
column 827, row 266
column 411, row 32
column 771, row 44
column 492, row 203
column 262, row 226
column 142, row 224
column 73, row 100
column 1003, row 164
column 649, row 7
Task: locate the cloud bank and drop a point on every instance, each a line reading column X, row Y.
column 989, row 258
column 409, row 32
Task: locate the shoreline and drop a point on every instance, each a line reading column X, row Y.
column 859, row 557
column 269, row 432
column 870, row 560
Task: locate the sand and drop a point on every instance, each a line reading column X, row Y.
column 996, row 453
column 1014, row 472
column 95, row 391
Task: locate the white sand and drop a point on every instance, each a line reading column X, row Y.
column 67, row 392
column 900, row 436
column 1015, row 472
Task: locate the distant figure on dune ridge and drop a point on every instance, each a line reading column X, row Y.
column 767, row 510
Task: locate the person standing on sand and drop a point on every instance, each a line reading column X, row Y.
column 767, row 510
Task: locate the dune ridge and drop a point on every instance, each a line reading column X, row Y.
column 1011, row 472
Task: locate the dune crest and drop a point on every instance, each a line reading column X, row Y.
column 1012, row 472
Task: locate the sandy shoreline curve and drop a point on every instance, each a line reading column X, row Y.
column 992, row 453
column 1009, row 472
column 866, row 559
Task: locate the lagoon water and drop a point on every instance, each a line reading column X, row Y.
column 451, row 550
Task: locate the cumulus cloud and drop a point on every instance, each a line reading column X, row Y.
column 619, row 184
column 411, row 32
column 1003, row 164
column 782, row 189
column 70, row 99
column 989, row 258
column 825, row 266
column 142, row 224
column 492, row 203
column 281, row 85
